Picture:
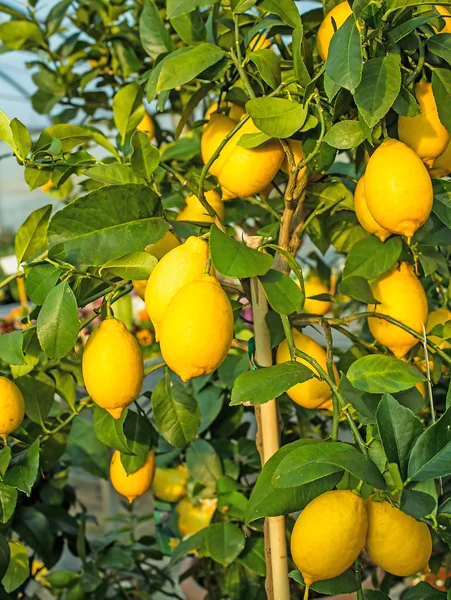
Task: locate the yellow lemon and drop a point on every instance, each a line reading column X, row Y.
column 137, row 483
column 47, row 187
column 403, row 298
column 214, row 132
column 396, row 542
column 398, row 188
column 12, row 407
column 233, row 111
column 298, row 154
column 169, row 485
column 363, row 214
column 113, row 368
column 326, row 30
column 248, row 171
column 314, row 286
column 195, row 517
column 146, row 125
column 424, row 133
column 197, row 328
column 311, row 393
column 226, row 195
column 443, row 10
column 194, row 211
column 328, row 535
column 442, row 165
column 260, row 42
column 177, row 268
column 438, row 317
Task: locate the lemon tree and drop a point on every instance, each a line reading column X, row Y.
column 272, row 185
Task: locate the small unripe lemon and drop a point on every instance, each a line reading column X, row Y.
column 328, row 535
column 313, row 392
column 326, row 30
column 197, row 328
column 233, row 111
column 146, row 125
column 403, row 298
column 314, row 286
column 194, row 211
column 363, row 214
column 137, row 483
column 396, row 542
column 438, row 317
column 195, row 517
column 169, row 485
column 298, row 155
column 12, row 407
column 159, row 249
column 442, row 165
column 398, row 188
column 177, row 268
column 113, row 368
column 424, row 133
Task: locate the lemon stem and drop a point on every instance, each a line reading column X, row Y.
column 306, row 591
column 330, row 370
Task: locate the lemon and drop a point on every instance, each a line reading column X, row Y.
column 329, row 535
column 396, row 542
column 12, row 407
column 260, row 42
column 137, row 483
column 402, row 297
column 169, row 485
column 314, row 286
column 47, row 187
column 234, row 111
column 398, row 188
column 177, row 268
column 197, row 328
column 363, row 214
column 298, row 154
column 194, row 211
column 311, row 393
column 247, row 171
column 195, row 517
column 213, row 134
column 438, row 317
column 424, row 133
column 159, row 249
column 146, row 125
column 112, row 366
column 442, row 165
column 443, row 10
column 326, row 30
column 226, row 195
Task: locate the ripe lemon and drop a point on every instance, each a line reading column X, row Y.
column 146, row 125
column 398, row 188
column 443, row 10
column 169, row 485
column 194, row 211
column 314, row 286
column 214, row 132
column 195, row 517
column 438, row 317
column 326, row 30
column 329, row 535
column 298, row 154
column 396, row 542
column 12, row 407
column 112, row 366
column 311, row 393
column 197, row 328
column 402, row 297
column 234, row 111
column 47, row 187
column 259, row 42
column 226, row 195
column 442, row 165
column 137, row 483
column 424, row 133
column 177, row 268
column 363, row 214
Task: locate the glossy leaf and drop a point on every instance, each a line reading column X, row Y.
column 8, row 500
column 370, row 258
column 430, row 457
column 346, row 583
column 32, row 235
column 378, row 374
column 344, row 135
column 18, row 568
column 138, row 433
column 286, row 9
column 277, row 117
column 11, row 348
column 40, row 281
column 344, row 61
column 134, row 265
column 417, row 504
column 21, row 137
column 109, row 431
column 128, row 109
column 224, row 542
column 203, row 463
column 406, row 104
column 235, row 259
column 154, row 36
column 38, row 392
column 357, row 287
column 282, row 292
column 268, row 65
column 114, row 174
column 23, row 469
column 178, row 70
column 4, row 553
column 145, row 157
column 441, row 86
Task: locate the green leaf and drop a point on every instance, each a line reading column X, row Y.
column 20, row 35
column 85, row 451
column 277, row 117
column 224, row 542
column 399, row 429
column 268, row 65
column 253, row 140
column 193, row 542
column 203, row 463
column 56, row 16
column 5, row 554
column 253, row 556
column 357, row 464
column 176, row 413
column 235, row 259
column 109, row 431
column 134, row 265
column 378, row 374
column 128, row 108
column 406, row 104
column 23, row 469
column 40, row 281
column 36, row 177
column 18, row 567
column 300, row 68
column 261, row 385
column 345, row 134
column 21, row 137
column 154, row 36
column 441, row 86
column 190, row 27
column 440, row 45
column 346, row 583
column 106, row 224
column 180, row 69
column 5, row 457
column 57, row 323
column 286, row 9
column 70, row 136
column 369, row 258
column 39, row 393
column 417, row 504
column 6, row 133
column 379, row 88
column 333, row 195
column 32, row 235
column 145, row 158
column 66, row 386
column 11, row 345
column 33, row 528
column 138, row 432
column 114, row 174
column 422, row 591
column 430, row 457
column 8, row 501
column 175, row 8
column 344, row 61
column 282, row 292
column 442, row 200
column 210, row 401
column 357, row 287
